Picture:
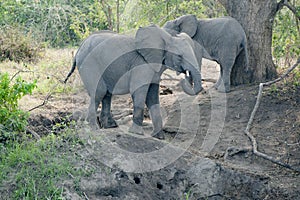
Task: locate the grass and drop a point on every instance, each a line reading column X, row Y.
column 31, row 169
column 49, row 71
column 35, row 170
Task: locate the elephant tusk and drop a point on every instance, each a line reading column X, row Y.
column 187, row 73
column 188, row 77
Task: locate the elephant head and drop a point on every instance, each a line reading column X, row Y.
column 175, row 52
column 184, row 24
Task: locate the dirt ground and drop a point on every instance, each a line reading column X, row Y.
column 199, row 131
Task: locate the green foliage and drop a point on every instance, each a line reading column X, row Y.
column 33, row 170
column 58, row 22
column 296, row 78
column 286, row 36
column 89, row 17
column 143, row 13
column 18, row 46
column 12, row 119
column 67, row 22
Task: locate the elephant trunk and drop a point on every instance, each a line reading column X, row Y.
column 191, row 85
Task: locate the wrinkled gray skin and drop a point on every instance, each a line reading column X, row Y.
column 223, row 39
column 112, row 64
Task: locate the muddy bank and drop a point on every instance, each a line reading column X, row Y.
column 190, row 176
column 191, row 163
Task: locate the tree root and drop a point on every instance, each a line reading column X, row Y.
column 35, row 135
column 255, row 151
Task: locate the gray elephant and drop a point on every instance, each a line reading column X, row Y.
column 113, row 64
column 223, row 39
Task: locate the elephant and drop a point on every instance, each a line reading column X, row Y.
column 224, row 40
column 115, row 64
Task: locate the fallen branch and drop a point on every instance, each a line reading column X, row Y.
column 37, row 136
column 46, row 99
column 42, row 104
column 250, row 122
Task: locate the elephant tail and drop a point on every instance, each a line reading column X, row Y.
column 71, row 71
column 246, row 56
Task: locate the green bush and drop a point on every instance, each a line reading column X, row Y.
column 286, row 37
column 12, row 119
column 57, row 22
column 17, row 46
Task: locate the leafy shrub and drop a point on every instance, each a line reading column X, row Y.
column 286, row 37
column 57, row 22
column 12, row 119
column 17, row 46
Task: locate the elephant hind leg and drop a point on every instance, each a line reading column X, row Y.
column 223, row 84
column 92, row 112
column 95, row 99
column 106, row 119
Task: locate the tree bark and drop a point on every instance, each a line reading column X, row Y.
column 256, row 17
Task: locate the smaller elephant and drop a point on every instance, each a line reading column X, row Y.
column 114, row 64
column 223, row 39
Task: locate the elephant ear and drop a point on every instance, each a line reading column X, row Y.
column 187, row 24
column 150, row 43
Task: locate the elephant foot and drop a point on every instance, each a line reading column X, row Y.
column 108, row 122
column 136, row 129
column 94, row 124
column 158, row 134
column 222, row 88
column 216, row 86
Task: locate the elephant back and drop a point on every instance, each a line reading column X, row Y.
column 97, row 53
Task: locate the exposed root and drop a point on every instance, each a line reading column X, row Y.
column 37, row 136
column 251, row 119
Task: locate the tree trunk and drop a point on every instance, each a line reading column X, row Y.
column 256, row 17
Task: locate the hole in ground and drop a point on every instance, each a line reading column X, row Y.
column 159, row 186
column 137, row 180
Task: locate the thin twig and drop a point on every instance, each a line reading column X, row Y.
column 36, row 72
column 37, row 136
column 20, row 71
column 86, row 197
column 42, row 104
column 250, row 122
column 292, row 8
column 45, row 99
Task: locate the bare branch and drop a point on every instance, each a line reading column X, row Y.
column 37, row 136
column 286, row 3
column 20, row 71
column 250, row 122
column 280, row 5
column 45, row 99
column 42, row 104
column 30, row 71
column 293, row 9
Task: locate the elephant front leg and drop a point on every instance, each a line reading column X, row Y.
column 219, row 81
column 153, row 105
column 139, row 98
